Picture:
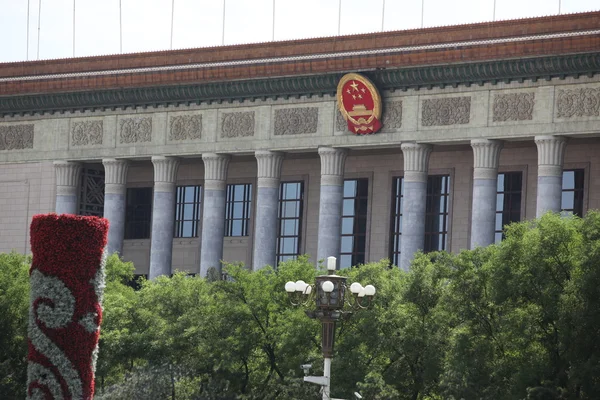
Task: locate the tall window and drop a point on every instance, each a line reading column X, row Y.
column 354, row 222
column 436, row 213
column 396, row 223
column 237, row 210
column 138, row 213
column 187, row 211
column 91, row 193
column 508, row 201
column 290, row 220
column 572, row 192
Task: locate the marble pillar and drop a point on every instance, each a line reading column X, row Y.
column 330, row 202
column 68, row 179
column 416, row 167
column 551, row 153
column 213, row 211
column 163, row 215
column 267, row 206
column 115, row 181
column 486, row 156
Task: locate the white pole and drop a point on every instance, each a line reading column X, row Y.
column 422, row 11
column 273, row 34
column 223, row 35
column 74, row 28
column 339, row 16
column 559, row 6
column 327, row 375
column 172, row 16
column 39, row 22
column 28, row 1
column 120, row 27
column 382, row 15
column 494, row 15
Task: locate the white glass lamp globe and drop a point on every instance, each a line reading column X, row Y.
column 362, row 292
column 370, row 290
column 355, row 288
column 290, row 287
column 300, row 286
column 308, row 289
column 327, row 286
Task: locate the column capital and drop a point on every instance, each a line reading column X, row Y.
column 67, row 177
column 486, row 157
column 333, row 161
column 269, row 167
column 416, row 161
column 215, row 170
column 115, row 175
column 551, row 154
column 165, row 173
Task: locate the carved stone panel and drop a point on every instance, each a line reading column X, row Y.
column 16, row 137
column 85, row 133
column 392, row 116
column 136, row 130
column 186, row 127
column 513, row 107
column 295, row 121
column 446, row 111
column 237, row 124
column 578, row 103
column 340, row 123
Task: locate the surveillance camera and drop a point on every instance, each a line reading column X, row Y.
column 357, row 395
column 306, row 368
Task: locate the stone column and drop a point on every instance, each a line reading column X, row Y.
column 115, row 180
column 163, row 215
column 331, row 201
column 267, row 205
column 486, row 156
column 213, row 211
column 416, row 166
column 551, row 153
column 68, row 179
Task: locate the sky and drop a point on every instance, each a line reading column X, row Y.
column 146, row 25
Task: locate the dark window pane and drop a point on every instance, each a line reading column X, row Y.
column 290, row 220
column 187, row 211
column 508, row 201
column 436, row 212
column 237, row 210
column 572, row 192
column 138, row 213
column 396, row 220
column 354, row 222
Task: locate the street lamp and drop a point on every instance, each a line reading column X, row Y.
column 329, row 293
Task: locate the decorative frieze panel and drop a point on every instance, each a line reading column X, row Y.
column 186, row 127
column 16, row 137
column 392, row 115
column 578, row 103
column 237, row 124
column 295, row 121
column 340, row 122
column 85, row 133
column 135, row 130
column 513, row 107
column 446, row 111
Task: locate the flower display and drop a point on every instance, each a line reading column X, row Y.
column 67, row 282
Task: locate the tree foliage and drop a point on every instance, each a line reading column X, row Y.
column 518, row 320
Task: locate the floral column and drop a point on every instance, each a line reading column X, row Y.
column 67, row 282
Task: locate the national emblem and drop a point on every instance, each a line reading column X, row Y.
column 359, row 103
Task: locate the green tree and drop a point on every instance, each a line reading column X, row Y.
column 14, row 306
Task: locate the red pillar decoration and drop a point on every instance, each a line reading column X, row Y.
column 67, row 282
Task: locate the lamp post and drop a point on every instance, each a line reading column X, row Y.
column 329, row 293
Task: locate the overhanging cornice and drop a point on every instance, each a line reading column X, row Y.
column 305, row 85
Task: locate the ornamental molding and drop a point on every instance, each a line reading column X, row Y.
column 513, row 107
column 583, row 102
column 135, row 130
column 389, row 79
column 340, row 122
column 185, row 127
column 446, row 111
column 237, row 124
column 296, row 121
column 86, row 133
column 16, row 137
column 392, row 115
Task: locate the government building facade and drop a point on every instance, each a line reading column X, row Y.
column 241, row 153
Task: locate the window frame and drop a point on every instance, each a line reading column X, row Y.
column 368, row 197
column 300, row 217
column 150, row 205
column 247, row 209
column 522, row 217
column 180, row 211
